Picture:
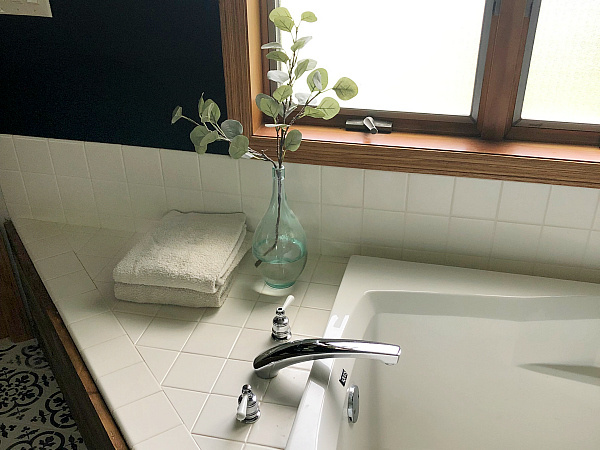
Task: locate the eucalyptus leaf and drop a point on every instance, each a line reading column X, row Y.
column 201, row 105
column 278, row 55
column 278, row 76
column 209, row 138
column 270, row 107
column 292, row 140
column 317, row 80
column 259, row 97
column 282, row 19
column 330, row 107
column 177, row 114
column 301, row 42
column 302, row 97
column 304, row 65
column 271, row 45
column 198, row 134
column 345, row 88
column 238, row 146
column 308, row 16
column 232, row 128
column 291, row 108
column 309, row 111
column 282, row 92
column 210, row 112
column 277, row 125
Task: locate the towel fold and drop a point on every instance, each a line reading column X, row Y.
column 141, row 293
column 190, row 251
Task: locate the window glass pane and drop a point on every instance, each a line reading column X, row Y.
column 407, row 56
column 564, row 75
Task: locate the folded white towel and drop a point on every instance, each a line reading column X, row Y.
column 141, row 293
column 187, row 250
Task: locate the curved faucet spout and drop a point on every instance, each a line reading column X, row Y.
column 270, row 362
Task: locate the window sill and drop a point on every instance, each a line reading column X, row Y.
column 443, row 155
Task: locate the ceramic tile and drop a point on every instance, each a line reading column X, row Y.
column 93, row 265
column 572, row 207
column 95, row 330
column 188, row 404
column 262, row 315
column 328, row 273
column 42, row 191
column 523, row 202
column 287, row 387
column 556, row 271
column 76, row 193
column 217, row 419
column 218, row 202
column 112, row 198
column 278, row 296
column 423, row 256
column 177, row 438
column 511, row 266
column 33, row 154
column 105, row 161
column 339, row 223
column 427, row 233
column 8, row 155
column 591, row 258
column 118, row 222
column 127, row 385
column 58, row 265
column 254, row 208
column 212, row 340
column 274, row 427
column 247, row 287
column 468, row 261
column 303, row 183
column 17, row 211
column 429, row 194
column 342, row 186
column 133, row 324
column 208, row 443
column 320, row 296
column 13, row 188
column 194, row 372
column 68, row 285
column 47, row 247
column 219, row 174
column 180, row 169
column 32, row 230
column 309, row 215
column 589, row 275
column 332, row 248
column 562, row 246
column 309, row 269
column 470, row 236
column 146, row 418
column 148, row 202
column 256, row 178
column 385, row 190
column 111, row 356
column 234, row 375
column 311, row 322
column 159, row 361
column 68, row 158
column 233, row 312
column 167, row 334
column 257, row 447
column 82, row 218
column 516, row 241
column 180, row 312
column 102, row 245
column 476, row 199
column 81, row 306
column 384, row 228
column 381, row 252
column 142, row 165
column 185, row 200
column 251, row 343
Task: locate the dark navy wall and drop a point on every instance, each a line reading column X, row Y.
column 110, row 70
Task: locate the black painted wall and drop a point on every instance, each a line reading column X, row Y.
column 110, row 70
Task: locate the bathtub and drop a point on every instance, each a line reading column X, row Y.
column 489, row 361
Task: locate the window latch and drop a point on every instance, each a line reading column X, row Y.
column 369, row 125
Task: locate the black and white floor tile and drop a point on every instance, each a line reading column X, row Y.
column 33, row 412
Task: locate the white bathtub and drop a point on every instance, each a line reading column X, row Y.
column 489, row 361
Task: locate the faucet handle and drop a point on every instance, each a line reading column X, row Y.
column 248, row 410
column 281, row 330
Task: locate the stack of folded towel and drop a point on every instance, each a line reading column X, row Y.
column 186, row 260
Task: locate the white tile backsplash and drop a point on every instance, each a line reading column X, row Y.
column 491, row 224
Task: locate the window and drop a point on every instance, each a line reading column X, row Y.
column 486, row 130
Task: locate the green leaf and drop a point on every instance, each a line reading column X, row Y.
column 177, row 114
column 282, row 92
column 278, row 56
column 300, row 43
column 201, row 105
column 345, row 88
column 313, row 112
column 271, row 45
column 303, row 66
column 308, row 16
column 238, row 146
column 259, row 97
column 232, row 128
column 292, row 140
column 330, row 107
column 210, row 112
column 198, row 134
column 317, row 80
column 292, row 106
column 278, row 76
column 209, row 138
column 270, row 107
column 282, row 19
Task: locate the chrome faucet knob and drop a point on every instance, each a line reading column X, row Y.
column 281, row 329
column 248, row 410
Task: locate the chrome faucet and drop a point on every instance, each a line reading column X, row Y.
column 248, row 410
column 270, row 362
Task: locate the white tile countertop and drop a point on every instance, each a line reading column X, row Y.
column 171, row 375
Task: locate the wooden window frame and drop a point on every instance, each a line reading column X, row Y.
column 502, row 152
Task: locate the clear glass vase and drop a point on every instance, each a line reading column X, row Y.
column 279, row 243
